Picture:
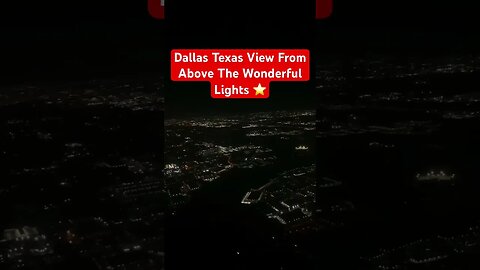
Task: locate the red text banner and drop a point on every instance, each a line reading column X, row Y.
column 240, row 73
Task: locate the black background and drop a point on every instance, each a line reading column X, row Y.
column 54, row 40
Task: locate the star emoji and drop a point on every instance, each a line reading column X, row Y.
column 259, row 90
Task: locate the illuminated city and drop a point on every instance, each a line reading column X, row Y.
column 74, row 196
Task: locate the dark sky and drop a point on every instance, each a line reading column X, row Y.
column 53, row 40
column 65, row 39
column 388, row 26
column 240, row 26
column 394, row 26
column 404, row 13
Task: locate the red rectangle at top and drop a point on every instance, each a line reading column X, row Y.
column 324, row 9
column 156, row 8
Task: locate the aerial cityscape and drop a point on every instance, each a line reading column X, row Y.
column 82, row 184
column 399, row 134
column 247, row 173
column 382, row 176
column 109, row 164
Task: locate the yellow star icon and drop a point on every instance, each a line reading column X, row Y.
column 259, row 90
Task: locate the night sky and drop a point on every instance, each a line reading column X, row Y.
column 395, row 26
column 241, row 27
column 53, row 40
